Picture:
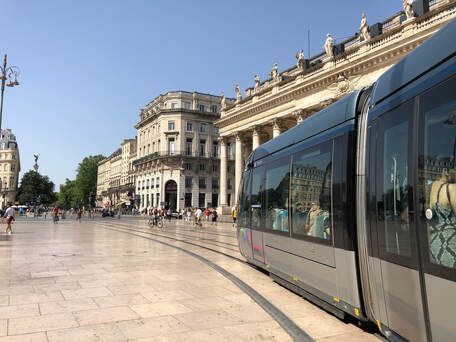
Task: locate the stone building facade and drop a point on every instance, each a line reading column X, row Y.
column 115, row 181
column 9, row 167
column 178, row 163
column 287, row 97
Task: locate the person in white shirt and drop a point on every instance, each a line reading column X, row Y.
column 198, row 215
column 9, row 215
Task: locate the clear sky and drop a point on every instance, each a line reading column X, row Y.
column 88, row 66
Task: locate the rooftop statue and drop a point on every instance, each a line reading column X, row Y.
column 275, row 73
column 364, row 29
column 300, row 60
column 408, row 8
column 237, row 90
column 256, row 82
column 223, row 100
column 329, row 45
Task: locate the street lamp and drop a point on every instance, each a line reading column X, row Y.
column 10, row 74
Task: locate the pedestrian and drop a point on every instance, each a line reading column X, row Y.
column 206, row 214
column 168, row 214
column 214, row 216
column 234, row 215
column 198, row 217
column 9, row 215
column 78, row 214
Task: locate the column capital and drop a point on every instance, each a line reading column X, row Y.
column 277, row 123
column 222, row 140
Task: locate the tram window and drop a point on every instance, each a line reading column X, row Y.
column 277, row 187
column 437, row 172
column 256, row 197
column 311, row 183
column 244, row 202
column 394, row 186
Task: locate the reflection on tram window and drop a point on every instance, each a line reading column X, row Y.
column 437, row 173
column 276, row 195
column 311, row 192
column 257, row 193
column 244, row 202
column 393, row 208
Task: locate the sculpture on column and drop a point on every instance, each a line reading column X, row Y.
column 36, row 166
column 237, row 90
column 223, row 101
column 329, row 46
column 300, row 60
column 256, row 82
column 275, row 73
column 408, row 8
column 364, row 29
column 195, row 102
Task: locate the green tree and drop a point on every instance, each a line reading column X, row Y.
column 86, row 179
column 66, row 197
column 34, row 186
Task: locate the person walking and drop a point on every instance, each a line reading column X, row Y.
column 9, row 215
column 214, row 216
column 234, row 215
column 198, row 217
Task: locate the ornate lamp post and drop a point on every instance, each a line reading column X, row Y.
column 10, row 74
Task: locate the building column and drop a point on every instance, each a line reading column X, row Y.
column 237, row 166
column 276, row 128
column 223, row 175
column 255, row 138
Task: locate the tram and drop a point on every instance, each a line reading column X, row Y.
column 355, row 207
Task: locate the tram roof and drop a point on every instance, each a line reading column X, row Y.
column 331, row 116
column 429, row 54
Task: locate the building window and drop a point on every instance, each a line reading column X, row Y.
column 171, row 146
column 173, row 105
column 188, row 166
column 228, row 168
column 214, row 149
column 202, row 183
column 214, row 168
column 13, row 156
column 215, row 183
column 214, row 108
column 170, row 125
column 157, row 182
column 147, row 185
column 201, row 108
column 215, row 130
column 202, row 147
column 186, row 105
column 229, row 185
column 203, row 128
column 189, row 126
column 188, row 182
column 202, row 167
column 188, row 146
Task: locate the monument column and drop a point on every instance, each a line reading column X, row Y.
column 237, row 166
column 276, row 129
column 255, row 138
column 223, row 175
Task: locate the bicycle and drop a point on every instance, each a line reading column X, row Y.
column 156, row 221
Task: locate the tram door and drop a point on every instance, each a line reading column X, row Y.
column 398, row 284
column 436, row 201
column 416, row 215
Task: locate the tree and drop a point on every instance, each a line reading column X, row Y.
column 36, row 187
column 86, row 179
column 66, row 197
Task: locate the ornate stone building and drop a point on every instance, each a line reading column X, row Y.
column 115, row 182
column 178, row 161
column 287, row 97
column 9, row 167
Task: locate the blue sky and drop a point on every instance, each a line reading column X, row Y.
column 88, row 66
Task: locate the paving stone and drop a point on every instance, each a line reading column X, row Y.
column 15, row 311
column 160, row 309
column 37, row 337
column 121, row 300
column 3, row 327
column 108, row 332
column 150, row 327
column 117, row 313
column 25, row 325
column 86, row 293
column 67, row 306
column 35, row 298
column 4, row 300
